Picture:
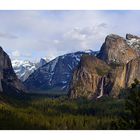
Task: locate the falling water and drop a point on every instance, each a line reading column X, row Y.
column 101, row 91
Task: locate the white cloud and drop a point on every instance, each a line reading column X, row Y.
column 36, row 34
column 8, row 36
column 16, row 53
column 56, row 41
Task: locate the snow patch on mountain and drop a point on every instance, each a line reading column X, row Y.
column 57, row 73
column 24, row 68
column 133, row 41
column 54, row 63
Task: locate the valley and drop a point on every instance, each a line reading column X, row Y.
column 84, row 90
column 60, row 113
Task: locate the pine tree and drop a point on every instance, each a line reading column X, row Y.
column 132, row 105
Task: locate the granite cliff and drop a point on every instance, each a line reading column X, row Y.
column 115, row 68
column 116, row 50
column 8, row 79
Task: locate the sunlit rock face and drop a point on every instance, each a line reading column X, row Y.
column 116, row 50
column 89, row 78
column 116, row 67
column 94, row 79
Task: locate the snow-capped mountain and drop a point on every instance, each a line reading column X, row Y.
column 55, row 75
column 24, row 68
column 134, row 42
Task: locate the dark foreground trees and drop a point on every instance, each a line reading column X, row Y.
column 82, row 114
column 131, row 117
column 133, row 105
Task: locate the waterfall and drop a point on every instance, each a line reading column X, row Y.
column 101, row 89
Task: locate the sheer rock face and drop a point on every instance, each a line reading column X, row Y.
column 132, row 71
column 125, row 75
column 117, row 67
column 116, row 50
column 8, row 78
column 87, row 80
column 88, row 77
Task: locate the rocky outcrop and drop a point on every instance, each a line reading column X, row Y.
column 8, row 78
column 89, row 78
column 116, row 50
column 133, row 42
column 130, row 36
column 125, row 75
column 95, row 78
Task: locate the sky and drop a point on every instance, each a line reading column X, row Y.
column 31, row 35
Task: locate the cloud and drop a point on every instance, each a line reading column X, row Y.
column 36, row 34
column 8, row 36
column 82, row 38
column 16, row 54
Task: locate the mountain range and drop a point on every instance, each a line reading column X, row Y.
column 90, row 74
column 55, row 76
column 24, row 68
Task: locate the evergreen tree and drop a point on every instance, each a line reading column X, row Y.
column 132, row 105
